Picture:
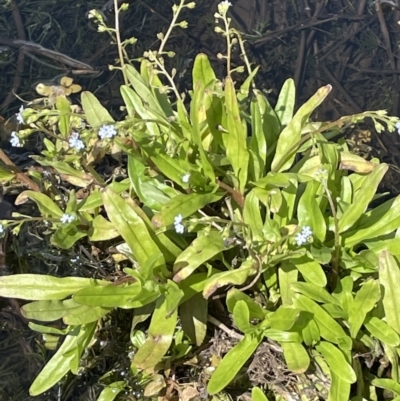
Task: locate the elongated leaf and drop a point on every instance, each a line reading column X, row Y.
column 160, row 335
column 258, row 395
column 241, row 317
column 37, row 287
column 131, row 227
column 296, row 357
column 283, row 318
column 184, row 205
column 314, row 292
column 382, row 331
column 289, row 139
column 202, row 249
column 236, row 150
column 110, row 393
column 285, row 104
column 336, row 361
column 328, row 327
column 287, row 276
column 236, row 277
column 389, row 278
column 59, row 364
column 232, row 363
column 47, row 311
column 193, row 316
column 387, row 384
column 45, row 204
column 95, row 113
column 339, row 390
column 252, row 216
column 362, row 198
column 234, row 295
column 364, row 301
column 310, row 270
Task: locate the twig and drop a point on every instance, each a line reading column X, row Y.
column 230, row 332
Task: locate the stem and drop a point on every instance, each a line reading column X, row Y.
column 119, row 44
column 171, row 27
column 228, row 45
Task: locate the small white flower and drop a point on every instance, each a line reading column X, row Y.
column 397, row 125
column 186, row 178
column 1, row 229
column 75, row 142
column 107, row 131
column 67, row 218
column 15, row 141
column 179, row 227
column 224, row 6
column 178, row 219
column 20, row 119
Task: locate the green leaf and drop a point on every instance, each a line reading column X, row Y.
column 234, row 295
column 202, row 70
column 283, row 336
column 328, row 327
column 111, row 296
column 387, row 384
column 236, row 277
column 241, row 317
column 296, row 357
column 314, row 292
column 364, row 301
column 339, row 390
column 63, row 106
column 160, row 335
column 252, row 216
column 286, row 101
column 37, row 287
column 183, row 204
column 258, row 395
column 283, row 318
column 193, row 316
column 102, row 229
column 382, row 331
column 236, row 149
column 310, row 270
column 288, row 275
column 337, row 361
column 6, row 174
column 131, row 227
column 111, row 391
column 203, row 248
column 96, row 115
column 66, row 236
column 59, row 364
column 289, row 139
column 389, row 279
column 47, row 207
column 362, row 198
column 232, row 363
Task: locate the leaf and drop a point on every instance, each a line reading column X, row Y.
column 286, row 100
column 382, row 331
column 59, row 364
column 336, row 361
column 236, row 277
column 366, row 298
column 288, row 275
column 110, row 392
column 131, row 227
column 184, row 205
column 193, row 316
column 283, row 318
column 202, row 70
column 95, row 113
column 6, row 174
column 102, row 229
column 160, row 335
column 232, row 363
column 241, row 317
column 362, row 198
column 387, row 384
column 328, row 327
column 310, row 270
column 296, row 357
column 389, row 279
column 258, row 395
column 203, row 248
column 339, row 390
column 314, row 292
column 37, row 287
column 236, row 149
column 111, row 296
column 289, row 138
column 47, row 207
column 234, row 295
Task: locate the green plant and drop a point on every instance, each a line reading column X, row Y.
column 223, row 193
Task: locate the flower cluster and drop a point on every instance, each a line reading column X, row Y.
column 75, row 142
column 397, row 125
column 15, row 141
column 179, row 227
column 107, row 131
column 20, row 118
column 67, row 218
column 224, row 6
column 304, row 236
column 186, row 178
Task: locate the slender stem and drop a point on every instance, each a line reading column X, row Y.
column 119, row 44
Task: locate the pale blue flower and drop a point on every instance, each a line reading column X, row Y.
column 304, row 236
column 67, row 218
column 397, row 125
column 20, row 119
column 179, row 227
column 15, row 141
column 75, row 142
column 107, row 131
